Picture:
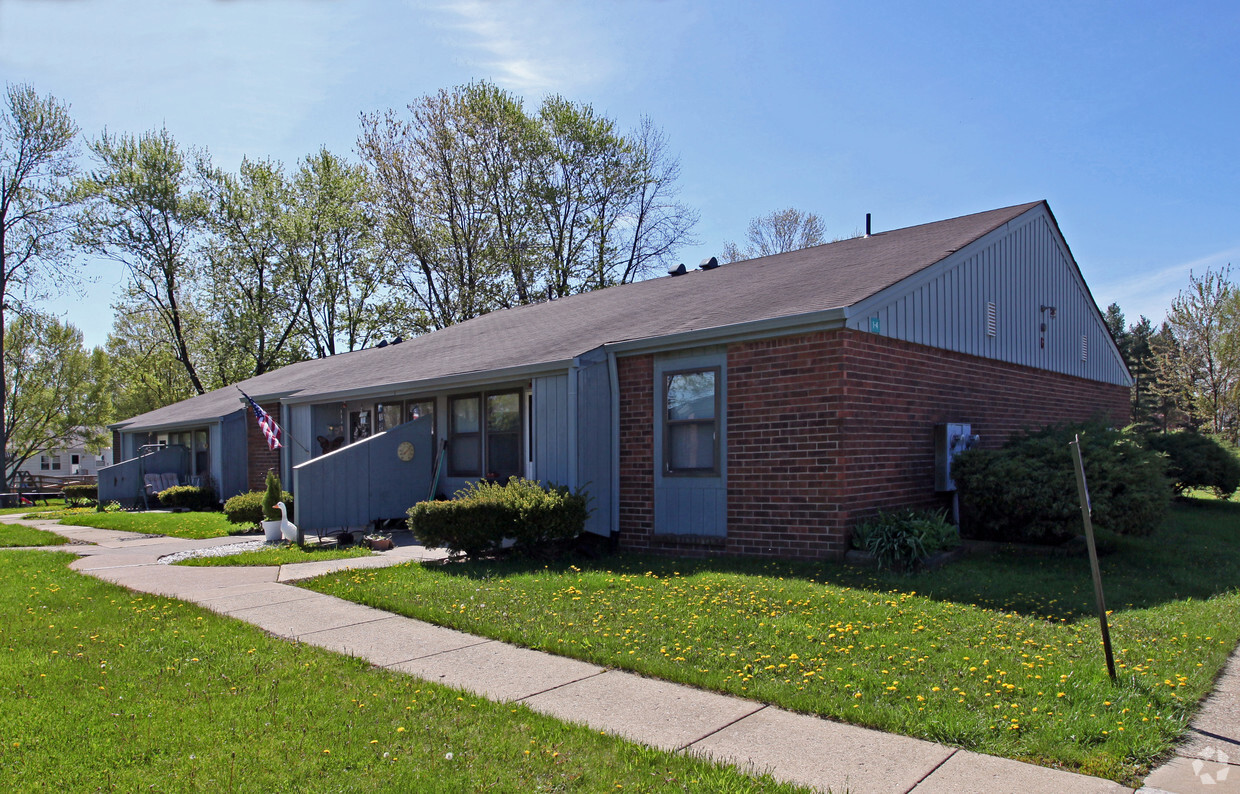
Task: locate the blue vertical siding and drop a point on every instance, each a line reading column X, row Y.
column 594, row 438
column 551, row 437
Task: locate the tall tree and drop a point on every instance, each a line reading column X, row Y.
column 37, row 165
column 343, row 278
column 250, row 296
column 433, row 196
column 145, row 211
column 56, row 391
column 1136, row 346
column 1200, row 362
column 781, row 231
column 146, row 372
column 490, row 206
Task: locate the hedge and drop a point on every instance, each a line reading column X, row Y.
column 1197, row 461
column 481, row 516
column 247, row 508
column 76, row 495
column 1027, row 490
column 189, row 497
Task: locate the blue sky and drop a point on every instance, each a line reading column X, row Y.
column 1124, row 116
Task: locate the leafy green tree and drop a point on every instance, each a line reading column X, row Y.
column 1199, row 363
column 490, row 206
column 343, row 278
column 56, row 391
column 249, row 292
column 37, row 165
column 779, row 232
column 146, row 211
column 146, row 372
column 1136, row 346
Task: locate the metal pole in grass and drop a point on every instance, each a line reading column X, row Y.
column 1093, row 554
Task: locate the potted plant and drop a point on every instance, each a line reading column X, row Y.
column 271, row 514
column 379, row 541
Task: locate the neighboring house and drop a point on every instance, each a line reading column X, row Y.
column 71, row 462
column 762, row 407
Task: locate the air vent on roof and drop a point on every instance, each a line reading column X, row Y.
column 398, row 340
column 708, row 264
column 679, row 270
column 867, row 224
column 382, row 343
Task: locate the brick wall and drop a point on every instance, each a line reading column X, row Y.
column 825, row 429
column 636, row 376
column 258, row 456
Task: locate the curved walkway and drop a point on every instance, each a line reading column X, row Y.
column 794, row 747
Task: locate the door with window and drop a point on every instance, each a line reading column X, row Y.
column 690, row 482
column 485, row 435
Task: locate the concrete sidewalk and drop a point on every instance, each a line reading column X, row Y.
column 794, row 747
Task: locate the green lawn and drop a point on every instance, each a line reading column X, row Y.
column 39, row 507
column 18, row 535
column 104, row 689
column 288, row 554
column 999, row 654
column 177, row 525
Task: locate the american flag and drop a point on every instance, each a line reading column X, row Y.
column 271, row 430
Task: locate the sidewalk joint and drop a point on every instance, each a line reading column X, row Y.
column 703, row 737
column 936, row 767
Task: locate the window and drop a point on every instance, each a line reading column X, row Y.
column 464, row 437
column 503, row 436
column 74, row 460
column 359, row 425
column 690, row 426
column 484, row 435
column 45, row 463
column 387, row 415
column 55, row 463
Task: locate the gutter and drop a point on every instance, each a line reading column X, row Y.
column 822, row 320
column 464, row 380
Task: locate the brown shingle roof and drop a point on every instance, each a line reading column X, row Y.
column 830, row 276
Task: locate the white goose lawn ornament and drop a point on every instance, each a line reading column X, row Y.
column 287, row 528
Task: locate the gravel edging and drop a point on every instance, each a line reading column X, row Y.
column 216, row 551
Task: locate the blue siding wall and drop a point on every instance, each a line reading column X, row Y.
column 234, row 457
column 1020, row 268
column 594, row 453
column 357, row 484
column 551, row 431
column 124, row 482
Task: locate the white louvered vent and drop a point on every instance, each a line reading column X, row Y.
column 1084, row 347
column 992, row 319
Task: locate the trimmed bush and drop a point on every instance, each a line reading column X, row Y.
column 271, row 496
column 247, row 508
column 1027, row 490
column 189, row 497
column 1197, row 461
column 902, row 540
column 81, row 495
column 482, row 515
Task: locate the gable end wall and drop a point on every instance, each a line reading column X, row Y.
column 825, row 429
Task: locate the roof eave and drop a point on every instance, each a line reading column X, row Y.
column 822, row 320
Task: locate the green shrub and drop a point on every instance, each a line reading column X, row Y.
column 1027, row 490
column 189, row 497
column 247, row 508
column 902, row 540
column 271, row 497
column 483, row 514
column 1197, row 461
column 80, row 495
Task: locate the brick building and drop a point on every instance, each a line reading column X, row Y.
column 758, row 408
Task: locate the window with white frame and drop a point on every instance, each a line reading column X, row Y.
column 691, row 422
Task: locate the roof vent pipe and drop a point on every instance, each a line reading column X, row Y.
column 708, row 264
column 679, row 270
column 867, row 224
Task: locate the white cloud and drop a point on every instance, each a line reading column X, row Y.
column 1151, row 294
column 531, row 48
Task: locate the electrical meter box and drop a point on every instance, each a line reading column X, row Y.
column 950, row 440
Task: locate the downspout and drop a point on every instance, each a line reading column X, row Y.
column 613, row 380
column 286, row 451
